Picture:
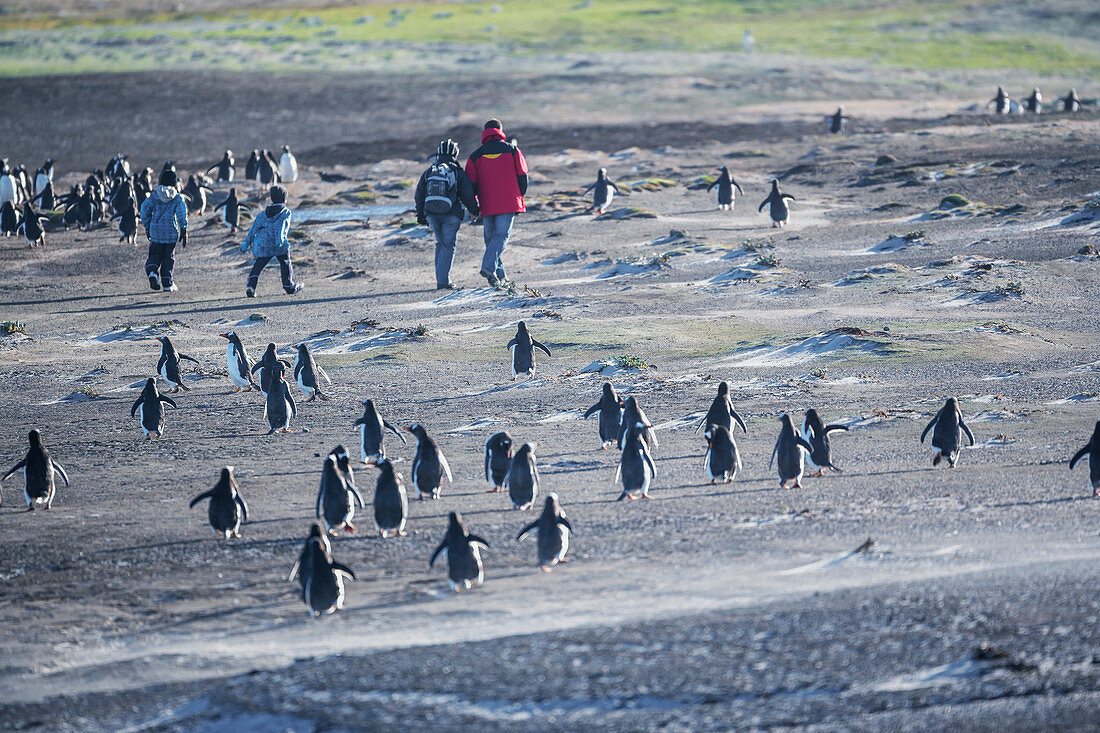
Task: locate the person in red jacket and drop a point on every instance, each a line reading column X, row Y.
column 499, row 174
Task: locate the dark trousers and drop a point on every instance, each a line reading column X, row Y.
column 285, row 270
column 162, row 258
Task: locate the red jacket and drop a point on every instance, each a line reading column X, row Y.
column 499, row 174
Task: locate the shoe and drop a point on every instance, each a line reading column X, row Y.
column 490, row 277
column 296, row 289
column 448, row 286
column 170, row 288
column 250, row 292
column 154, row 282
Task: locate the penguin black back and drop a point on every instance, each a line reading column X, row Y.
column 1092, row 450
column 610, row 409
column 498, row 457
column 464, row 567
column 523, row 351
column 39, row 471
column 553, row 533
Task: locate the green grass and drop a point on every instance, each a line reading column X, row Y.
column 904, row 33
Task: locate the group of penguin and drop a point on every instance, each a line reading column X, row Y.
column 114, row 193
column 604, row 189
column 1002, row 104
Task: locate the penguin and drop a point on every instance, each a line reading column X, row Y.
column 43, row 176
column 231, row 211
column 632, row 416
column 1000, row 103
column 127, row 222
column 305, row 374
column 279, row 406
column 46, row 199
column 722, row 460
column 9, row 219
column 227, row 507
column 610, row 408
column 523, row 347
column 323, row 578
column 169, row 166
column 748, row 40
column 777, row 205
column 81, row 209
column 721, row 411
column 269, row 168
column 236, row 363
column 343, row 462
column 40, row 471
column 252, row 167
column 1092, row 450
column 498, row 457
column 226, row 167
column 816, row 433
column 523, row 478
column 788, row 448
column 195, row 193
column 1034, row 103
column 336, row 498
column 301, row 566
column 9, row 187
column 553, row 533
column 836, row 120
column 725, row 183
column 1071, row 102
column 30, row 226
column 464, row 568
column 288, row 166
column 266, row 367
column 152, row 409
column 635, row 469
column 947, row 428
column 372, row 427
column 118, row 166
column 168, row 366
column 429, row 464
column 121, row 193
column 603, row 191
column 391, row 502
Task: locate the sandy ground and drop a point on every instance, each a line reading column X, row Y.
column 706, row 607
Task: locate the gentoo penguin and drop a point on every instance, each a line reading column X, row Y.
column 30, row 226
column 231, row 211
column 836, row 120
column 81, row 208
column 336, row 498
column 39, row 471
column 721, row 411
column 45, row 198
column 429, row 464
column 305, row 374
column 43, row 176
column 301, row 566
column 372, row 427
column 1071, row 102
column 127, row 222
column 288, row 166
column 748, row 40
column 343, row 462
column 9, row 219
column 269, row 168
column 152, row 411
column 788, row 449
column 523, row 478
column 227, row 507
column 236, row 363
column 118, row 167
column 252, row 167
column 323, row 578
column 722, row 460
column 195, row 194
column 553, row 536
column 266, row 367
column 1000, row 103
column 498, row 457
column 947, row 428
column 464, row 569
column 391, row 502
column 632, row 416
column 523, row 347
column 1092, row 450
column 279, row 406
column 226, row 167
column 816, row 433
column 603, row 190
column 610, row 408
column 1034, row 103
column 168, row 366
column 725, row 183
column 9, row 187
column 635, row 469
column 777, row 205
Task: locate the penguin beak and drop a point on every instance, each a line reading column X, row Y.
column 224, row 335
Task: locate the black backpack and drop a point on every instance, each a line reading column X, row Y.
column 441, row 189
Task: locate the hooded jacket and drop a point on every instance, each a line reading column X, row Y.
column 164, row 214
column 267, row 237
column 499, row 174
column 465, row 191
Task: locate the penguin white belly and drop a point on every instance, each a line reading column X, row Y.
column 40, row 182
column 287, row 407
column 706, row 466
column 229, row 175
column 564, row 532
column 306, row 389
column 514, row 372
column 363, row 444
column 288, row 168
column 141, row 417
column 806, row 437
column 7, row 190
column 234, row 367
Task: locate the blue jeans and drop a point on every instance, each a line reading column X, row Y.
column 285, row 269
column 445, row 228
column 162, row 260
column 498, row 228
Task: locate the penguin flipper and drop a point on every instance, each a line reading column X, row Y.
column 320, row 496
column 737, row 186
column 61, row 472
column 735, row 416
column 161, row 361
column 294, row 570
column 763, row 204
column 474, row 538
column 511, row 343
column 189, row 358
column 137, row 403
column 244, row 507
column 1072, row 462
column 774, row 451
column 441, row 548
column 833, row 428
column 803, row 444
column 200, row 497
column 323, row 374
column 394, row 430
column 591, row 410
column 788, row 196
column 169, row 400
column 290, row 400
column 446, row 467
column 256, row 367
column 355, row 492
column 649, row 460
column 341, row 567
column 929, row 427
column 23, row 463
column 966, row 429
column 565, row 523
column 523, row 532
column 488, row 452
column 539, row 345
column 618, row 472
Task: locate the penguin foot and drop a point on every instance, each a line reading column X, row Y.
column 796, row 485
column 545, row 569
column 402, row 533
column 563, row 559
column 493, row 490
column 349, row 527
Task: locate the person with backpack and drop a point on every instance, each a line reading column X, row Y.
column 499, row 174
column 164, row 214
column 267, row 238
column 442, row 192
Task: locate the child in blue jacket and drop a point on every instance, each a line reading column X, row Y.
column 267, row 238
column 164, row 214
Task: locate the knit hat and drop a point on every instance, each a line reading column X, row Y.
column 168, row 178
column 278, row 195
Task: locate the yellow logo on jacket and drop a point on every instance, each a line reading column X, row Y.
column 492, row 156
